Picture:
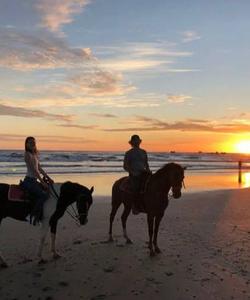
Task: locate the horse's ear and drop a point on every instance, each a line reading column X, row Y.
column 91, row 190
column 184, row 168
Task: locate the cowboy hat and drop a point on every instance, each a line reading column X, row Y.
column 134, row 138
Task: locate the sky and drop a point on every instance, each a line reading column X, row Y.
column 87, row 74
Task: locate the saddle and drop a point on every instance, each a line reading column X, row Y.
column 16, row 193
column 126, row 185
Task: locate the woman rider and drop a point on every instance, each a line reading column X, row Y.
column 36, row 181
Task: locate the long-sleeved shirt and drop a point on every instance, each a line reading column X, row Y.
column 136, row 161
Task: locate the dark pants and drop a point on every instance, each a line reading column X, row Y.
column 137, row 186
column 135, row 183
column 138, row 182
column 36, row 190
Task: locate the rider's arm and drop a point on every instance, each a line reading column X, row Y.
column 146, row 163
column 126, row 163
column 41, row 170
column 34, row 164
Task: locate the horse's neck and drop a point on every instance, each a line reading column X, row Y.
column 53, row 198
column 57, row 187
column 161, row 183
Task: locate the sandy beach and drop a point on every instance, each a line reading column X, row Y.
column 205, row 242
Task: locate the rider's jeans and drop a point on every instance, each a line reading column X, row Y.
column 36, row 190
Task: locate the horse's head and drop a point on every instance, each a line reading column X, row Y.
column 174, row 174
column 71, row 192
column 176, row 177
column 83, row 203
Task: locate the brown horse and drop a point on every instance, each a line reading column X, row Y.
column 155, row 200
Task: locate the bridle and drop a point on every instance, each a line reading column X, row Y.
column 75, row 216
column 171, row 194
column 73, row 213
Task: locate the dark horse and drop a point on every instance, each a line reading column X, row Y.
column 54, row 208
column 155, row 200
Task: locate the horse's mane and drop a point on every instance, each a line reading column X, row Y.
column 164, row 169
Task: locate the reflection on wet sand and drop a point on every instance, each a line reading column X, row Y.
column 194, row 181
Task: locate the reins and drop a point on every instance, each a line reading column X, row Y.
column 73, row 215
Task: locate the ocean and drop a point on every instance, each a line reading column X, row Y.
column 105, row 167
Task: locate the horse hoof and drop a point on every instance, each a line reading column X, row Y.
column 129, row 242
column 157, row 250
column 3, row 265
column 56, row 256
column 109, row 241
column 42, row 261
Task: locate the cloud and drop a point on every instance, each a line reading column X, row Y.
column 178, row 98
column 54, row 139
column 134, row 57
column 88, row 127
column 132, row 102
column 99, row 115
column 6, row 110
column 100, row 83
column 189, row 36
column 24, row 51
column 197, row 121
column 27, row 52
column 55, row 13
column 151, row 124
column 182, row 70
column 49, row 100
column 128, row 65
column 143, row 49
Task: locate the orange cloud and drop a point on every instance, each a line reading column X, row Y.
column 28, row 113
column 151, row 124
column 56, row 13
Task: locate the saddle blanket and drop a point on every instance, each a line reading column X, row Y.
column 16, row 193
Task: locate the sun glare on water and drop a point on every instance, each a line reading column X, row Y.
column 246, row 179
column 243, row 147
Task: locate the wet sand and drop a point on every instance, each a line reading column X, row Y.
column 205, row 242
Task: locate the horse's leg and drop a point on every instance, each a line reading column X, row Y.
column 53, row 246
column 156, row 229
column 111, row 219
column 53, row 227
column 125, row 214
column 44, row 231
column 3, row 264
column 150, row 233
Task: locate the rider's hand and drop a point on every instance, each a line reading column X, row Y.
column 45, row 185
column 51, row 181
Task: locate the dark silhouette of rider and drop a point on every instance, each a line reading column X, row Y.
column 136, row 164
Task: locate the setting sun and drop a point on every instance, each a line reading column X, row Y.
column 243, row 147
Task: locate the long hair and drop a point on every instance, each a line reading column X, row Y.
column 27, row 147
